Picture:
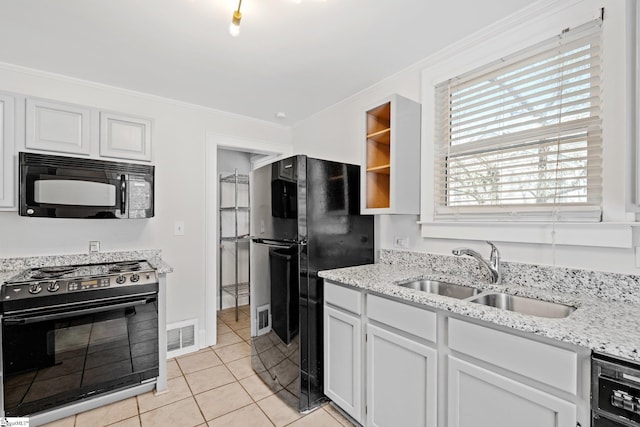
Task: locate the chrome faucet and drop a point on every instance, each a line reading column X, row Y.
column 493, row 265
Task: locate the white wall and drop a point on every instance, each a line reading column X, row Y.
column 179, row 136
column 337, row 133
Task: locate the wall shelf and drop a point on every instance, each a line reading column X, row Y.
column 384, row 169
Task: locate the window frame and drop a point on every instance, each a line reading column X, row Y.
column 580, row 212
column 510, row 36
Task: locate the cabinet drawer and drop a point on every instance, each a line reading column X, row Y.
column 545, row 363
column 343, row 297
column 405, row 317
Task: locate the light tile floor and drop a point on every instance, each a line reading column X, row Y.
column 215, row 387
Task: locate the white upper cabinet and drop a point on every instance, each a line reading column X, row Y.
column 60, row 127
column 7, row 141
column 125, row 137
column 56, row 126
column 390, row 175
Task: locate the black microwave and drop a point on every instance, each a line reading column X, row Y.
column 72, row 187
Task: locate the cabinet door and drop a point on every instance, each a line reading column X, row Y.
column 481, row 398
column 55, row 126
column 343, row 361
column 125, row 137
column 401, row 381
column 7, row 142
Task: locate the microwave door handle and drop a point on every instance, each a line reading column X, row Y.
column 123, row 194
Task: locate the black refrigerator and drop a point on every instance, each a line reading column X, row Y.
column 305, row 217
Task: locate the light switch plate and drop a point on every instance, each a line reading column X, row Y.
column 178, row 228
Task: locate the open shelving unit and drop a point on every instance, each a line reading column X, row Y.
column 236, row 289
column 391, row 171
column 379, row 157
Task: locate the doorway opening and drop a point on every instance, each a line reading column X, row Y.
column 227, row 225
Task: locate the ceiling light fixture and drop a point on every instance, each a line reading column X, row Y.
column 234, row 27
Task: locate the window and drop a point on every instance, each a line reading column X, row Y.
column 522, row 136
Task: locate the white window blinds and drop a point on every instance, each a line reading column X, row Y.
column 521, row 138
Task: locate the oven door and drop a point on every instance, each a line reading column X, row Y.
column 52, row 357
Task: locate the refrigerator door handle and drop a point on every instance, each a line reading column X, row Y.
column 276, row 243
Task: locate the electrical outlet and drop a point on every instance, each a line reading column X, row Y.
column 401, row 242
column 94, row 246
column 178, row 228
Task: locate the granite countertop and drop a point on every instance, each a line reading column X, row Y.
column 603, row 326
column 9, row 267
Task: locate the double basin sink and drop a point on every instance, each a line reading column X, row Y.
column 518, row 304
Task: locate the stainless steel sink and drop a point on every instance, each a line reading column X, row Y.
column 531, row 306
column 441, row 288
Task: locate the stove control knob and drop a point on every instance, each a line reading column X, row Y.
column 134, row 277
column 53, row 286
column 35, row 288
column 121, row 279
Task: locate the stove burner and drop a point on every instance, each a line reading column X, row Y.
column 52, row 272
column 124, row 266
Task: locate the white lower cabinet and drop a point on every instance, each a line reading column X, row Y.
column 419, row 361
column 401, row 380
column 481, row 398
column 343, row 360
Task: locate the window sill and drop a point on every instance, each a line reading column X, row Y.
column 601, row 234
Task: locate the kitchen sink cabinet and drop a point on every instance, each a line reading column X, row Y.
column 7, row 141
column 502, row 379
column 429, row 367
column 401, row 380
column 479, row 397
column 401, row 364
column 391, row 170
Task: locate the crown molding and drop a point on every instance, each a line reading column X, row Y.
column 130, row 92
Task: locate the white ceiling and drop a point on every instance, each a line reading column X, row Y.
column 298, row 58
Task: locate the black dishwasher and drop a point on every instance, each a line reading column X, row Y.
column 615, row 392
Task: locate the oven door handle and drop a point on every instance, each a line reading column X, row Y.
column 284, row 243
column 84, row 311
